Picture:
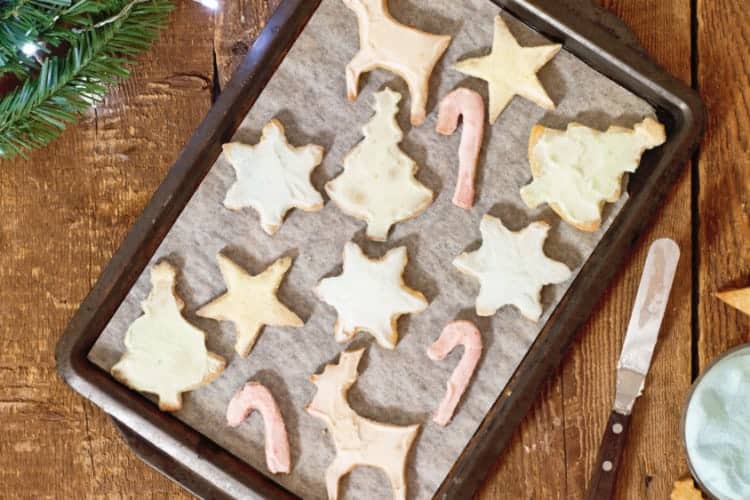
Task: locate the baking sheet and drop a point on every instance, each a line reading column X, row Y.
column 401, row 386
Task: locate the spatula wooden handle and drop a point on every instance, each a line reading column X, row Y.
column 604, row 478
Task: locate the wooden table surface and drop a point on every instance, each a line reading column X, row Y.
column 65, row 210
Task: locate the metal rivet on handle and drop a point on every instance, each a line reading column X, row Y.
column 607, row 466
column 617, row 428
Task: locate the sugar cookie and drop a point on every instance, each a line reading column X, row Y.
column 250, row 302
column 165, row 355
column 403, row 50
column 273, row 177
column 457, row 333
column 511, row 268
column 254, row 396
column 359, row 441
column 510, row 70
column 378, row 183
column 370, row 295
column 579, row 169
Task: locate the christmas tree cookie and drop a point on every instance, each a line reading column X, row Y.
column 579, row 169
column 250, row 302
column 511, row 268
column 165, row 355
column 273, row 177
column 378, row 183
column 370, row 295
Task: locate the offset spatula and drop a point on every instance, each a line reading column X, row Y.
column 635, row 360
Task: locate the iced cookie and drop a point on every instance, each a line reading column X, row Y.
column 510, row 70
column 250, row 302
column 403, row 50
column 370, row 295
column 511, row 268
column 165, row 355
column 470, row 105
column 455, row 334
column 256, row 397
column 579, row 169
column 359, row 441
column 378, row 183
column 273, row 177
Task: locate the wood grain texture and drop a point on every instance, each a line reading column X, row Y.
column 584, row 391
column 238, row 24
column 64, row 212
column 66, row 209
column 723, row 75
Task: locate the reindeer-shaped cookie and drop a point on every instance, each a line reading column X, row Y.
column 386, row 43
column 359, row 441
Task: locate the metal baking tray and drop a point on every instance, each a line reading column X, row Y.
column 594, row 36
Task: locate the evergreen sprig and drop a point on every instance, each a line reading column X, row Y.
column 101, row 38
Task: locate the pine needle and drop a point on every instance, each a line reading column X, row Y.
column 65, row 86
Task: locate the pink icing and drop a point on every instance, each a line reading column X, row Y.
column 254, row 396
column 470, row 105
column 455, row 334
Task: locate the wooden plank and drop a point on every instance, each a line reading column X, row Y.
column 582, row 396
column 65, row 211
column 724, row 169
column 238, row 24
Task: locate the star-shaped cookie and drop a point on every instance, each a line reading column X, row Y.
column 370, row 295
column 511, row 70
column 250, row 301
column 273, row 176
column 511, row 268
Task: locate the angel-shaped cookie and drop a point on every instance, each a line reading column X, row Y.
column 511, row 268
column 273, row 176
column 165, row 355
column 388, row 44
column 378, row 183
column 579, row 169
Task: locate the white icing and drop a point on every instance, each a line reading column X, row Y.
column 578, row 169
column 370, row 295
column 511, row 70
column 273, row 176
column 717, row 428
column 378, row 183
column 511, row 268
column 250, row 301
column 359, row 441
column 388, row 44
column 165, row 355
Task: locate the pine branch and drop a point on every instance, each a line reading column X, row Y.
column 46, row 23
column 36, row 113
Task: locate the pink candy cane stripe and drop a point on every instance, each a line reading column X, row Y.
column 455, row 334
column 470, row 105
column 254, row 396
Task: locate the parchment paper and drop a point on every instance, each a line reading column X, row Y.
column 403, row 386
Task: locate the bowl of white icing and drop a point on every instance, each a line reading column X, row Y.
column 716, row 427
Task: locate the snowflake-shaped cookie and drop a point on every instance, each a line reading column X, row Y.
column 511, row 268
column 273, row 176
column 370, row 295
